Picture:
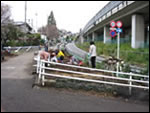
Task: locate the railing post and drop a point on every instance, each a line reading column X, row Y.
column 38, row 63
column 43, row 71
column 48, row 64
column 148, row 74
column 39, row 77
column 130, row 87
column 28, row 48
column 18, row 49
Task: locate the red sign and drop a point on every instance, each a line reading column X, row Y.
column 112, row 24
column 112, row 33
column 119, row 24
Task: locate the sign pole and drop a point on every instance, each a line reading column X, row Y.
column 117, row 24
column 118, row 50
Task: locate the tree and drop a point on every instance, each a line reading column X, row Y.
column 51, row 29
column 5, row 14
column 42, row 30
column 51, row 19
column 10, row 33
column 52, row 32
column 6, row 26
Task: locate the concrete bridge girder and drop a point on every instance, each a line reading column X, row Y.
column 126, row 16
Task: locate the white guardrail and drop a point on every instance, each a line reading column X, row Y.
column 143, row 83
column 17, row 49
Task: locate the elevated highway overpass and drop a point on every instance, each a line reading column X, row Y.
column 134, row 16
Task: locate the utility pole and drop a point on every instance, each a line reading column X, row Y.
column 25, row 11
column 36, row 22
column 25, row 19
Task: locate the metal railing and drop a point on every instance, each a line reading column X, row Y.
column 17, row 49
column 131, row 81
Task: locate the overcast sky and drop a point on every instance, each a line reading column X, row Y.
column 69, row 15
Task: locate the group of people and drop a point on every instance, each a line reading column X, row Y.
column 53, row 56
column 58, row 56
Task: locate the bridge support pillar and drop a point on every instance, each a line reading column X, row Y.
column 88, row 38
column 94, row 35
column 137, row 31
column 81, row 39
column 106, row 35
column 147, row 35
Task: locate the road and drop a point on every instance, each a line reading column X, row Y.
column 72, row 49
column 17, row 94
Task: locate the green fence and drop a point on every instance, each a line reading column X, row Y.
column 122, row 40
column 99, row 38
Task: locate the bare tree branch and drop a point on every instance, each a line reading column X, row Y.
column 5, row 13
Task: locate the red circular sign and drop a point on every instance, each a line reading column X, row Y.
column 119, row 24
column 112, row 24
column 112, row 33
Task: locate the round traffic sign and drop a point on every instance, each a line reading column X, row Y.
column 119, row 24
column 112, row 24
column 112, row 33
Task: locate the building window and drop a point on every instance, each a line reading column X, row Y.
column 129, row 2
column 120, row 6
column 104, row 17
column 100, row 19
column 109, row 14
column 114, row 10
column 97, row 22
column 124, row 3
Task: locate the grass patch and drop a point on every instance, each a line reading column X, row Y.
column 130, row 55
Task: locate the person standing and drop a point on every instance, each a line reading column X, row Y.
column 92, row 52
column 46, row 47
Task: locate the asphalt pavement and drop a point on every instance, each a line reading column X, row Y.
column 18, row 95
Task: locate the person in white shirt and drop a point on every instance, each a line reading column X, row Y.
column 54, row 58
column 92, row 52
